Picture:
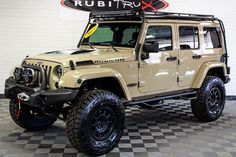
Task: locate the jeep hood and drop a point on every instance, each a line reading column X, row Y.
column 86, row 56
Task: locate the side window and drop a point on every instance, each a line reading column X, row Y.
column 212, row 37
column 160, row 34
column 188, row 37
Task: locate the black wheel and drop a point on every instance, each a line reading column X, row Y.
column 210, row 101
column 29, row 119
column 95, row 124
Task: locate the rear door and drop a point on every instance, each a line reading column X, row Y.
column 190, row 54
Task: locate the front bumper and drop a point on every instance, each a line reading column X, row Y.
column 227, row 79
column 39, row 98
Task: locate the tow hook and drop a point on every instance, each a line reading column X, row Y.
column 21, row 97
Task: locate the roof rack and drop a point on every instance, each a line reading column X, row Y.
column 183, row 16
column 150, row 15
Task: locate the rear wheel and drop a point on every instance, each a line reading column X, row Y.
column 210, row 101
column 95, row 124
column 29, row 119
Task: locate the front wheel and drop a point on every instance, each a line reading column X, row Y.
column 95, row 124
column 210, row 101
column 29, row 119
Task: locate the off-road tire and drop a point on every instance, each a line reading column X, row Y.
column 86, row 120
column 203, row 107
column 29, row 121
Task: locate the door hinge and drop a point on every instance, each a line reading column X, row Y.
column 141, row 84
column 179, row 79
column 180, row 62
column 140, row 65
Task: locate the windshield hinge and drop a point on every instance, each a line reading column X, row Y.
column 140, row 65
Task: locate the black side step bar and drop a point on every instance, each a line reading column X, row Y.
column 186, row 95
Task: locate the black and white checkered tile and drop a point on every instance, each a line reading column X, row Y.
column 169, row 130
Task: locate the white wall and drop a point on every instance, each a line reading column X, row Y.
column 29, row 27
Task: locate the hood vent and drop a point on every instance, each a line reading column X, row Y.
column 83, row 63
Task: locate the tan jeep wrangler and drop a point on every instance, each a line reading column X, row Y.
column 124, row 58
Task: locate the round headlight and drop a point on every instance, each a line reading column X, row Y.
column 18, row 73
column 59, row 70
column 28, row 75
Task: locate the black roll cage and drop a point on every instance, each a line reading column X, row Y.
column 140, row 15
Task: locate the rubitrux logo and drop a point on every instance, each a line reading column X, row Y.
column 114, row 5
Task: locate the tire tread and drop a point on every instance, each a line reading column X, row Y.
column 74, row 121
column 198, row 106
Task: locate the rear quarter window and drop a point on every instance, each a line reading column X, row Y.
column 212, row 37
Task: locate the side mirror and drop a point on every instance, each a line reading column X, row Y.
column 149, row 48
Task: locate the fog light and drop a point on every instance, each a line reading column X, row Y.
column 28, row 75
column 18, row 73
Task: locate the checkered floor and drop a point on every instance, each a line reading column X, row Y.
column 170, row 130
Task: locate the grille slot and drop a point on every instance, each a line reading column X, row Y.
column 49, row 74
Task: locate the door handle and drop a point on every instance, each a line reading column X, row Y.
column 197, row 56
column 171, row 59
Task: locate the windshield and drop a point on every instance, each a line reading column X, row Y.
column 114, row 34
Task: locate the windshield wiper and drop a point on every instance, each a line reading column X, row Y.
column 109, row 44
column 90, row 45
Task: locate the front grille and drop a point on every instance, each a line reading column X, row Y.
column 48, row 71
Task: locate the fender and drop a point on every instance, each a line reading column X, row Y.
column 70, row 78
column 204, row 70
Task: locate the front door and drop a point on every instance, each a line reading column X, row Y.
column 158, row 72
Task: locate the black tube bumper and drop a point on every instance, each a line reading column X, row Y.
column 39, row 98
